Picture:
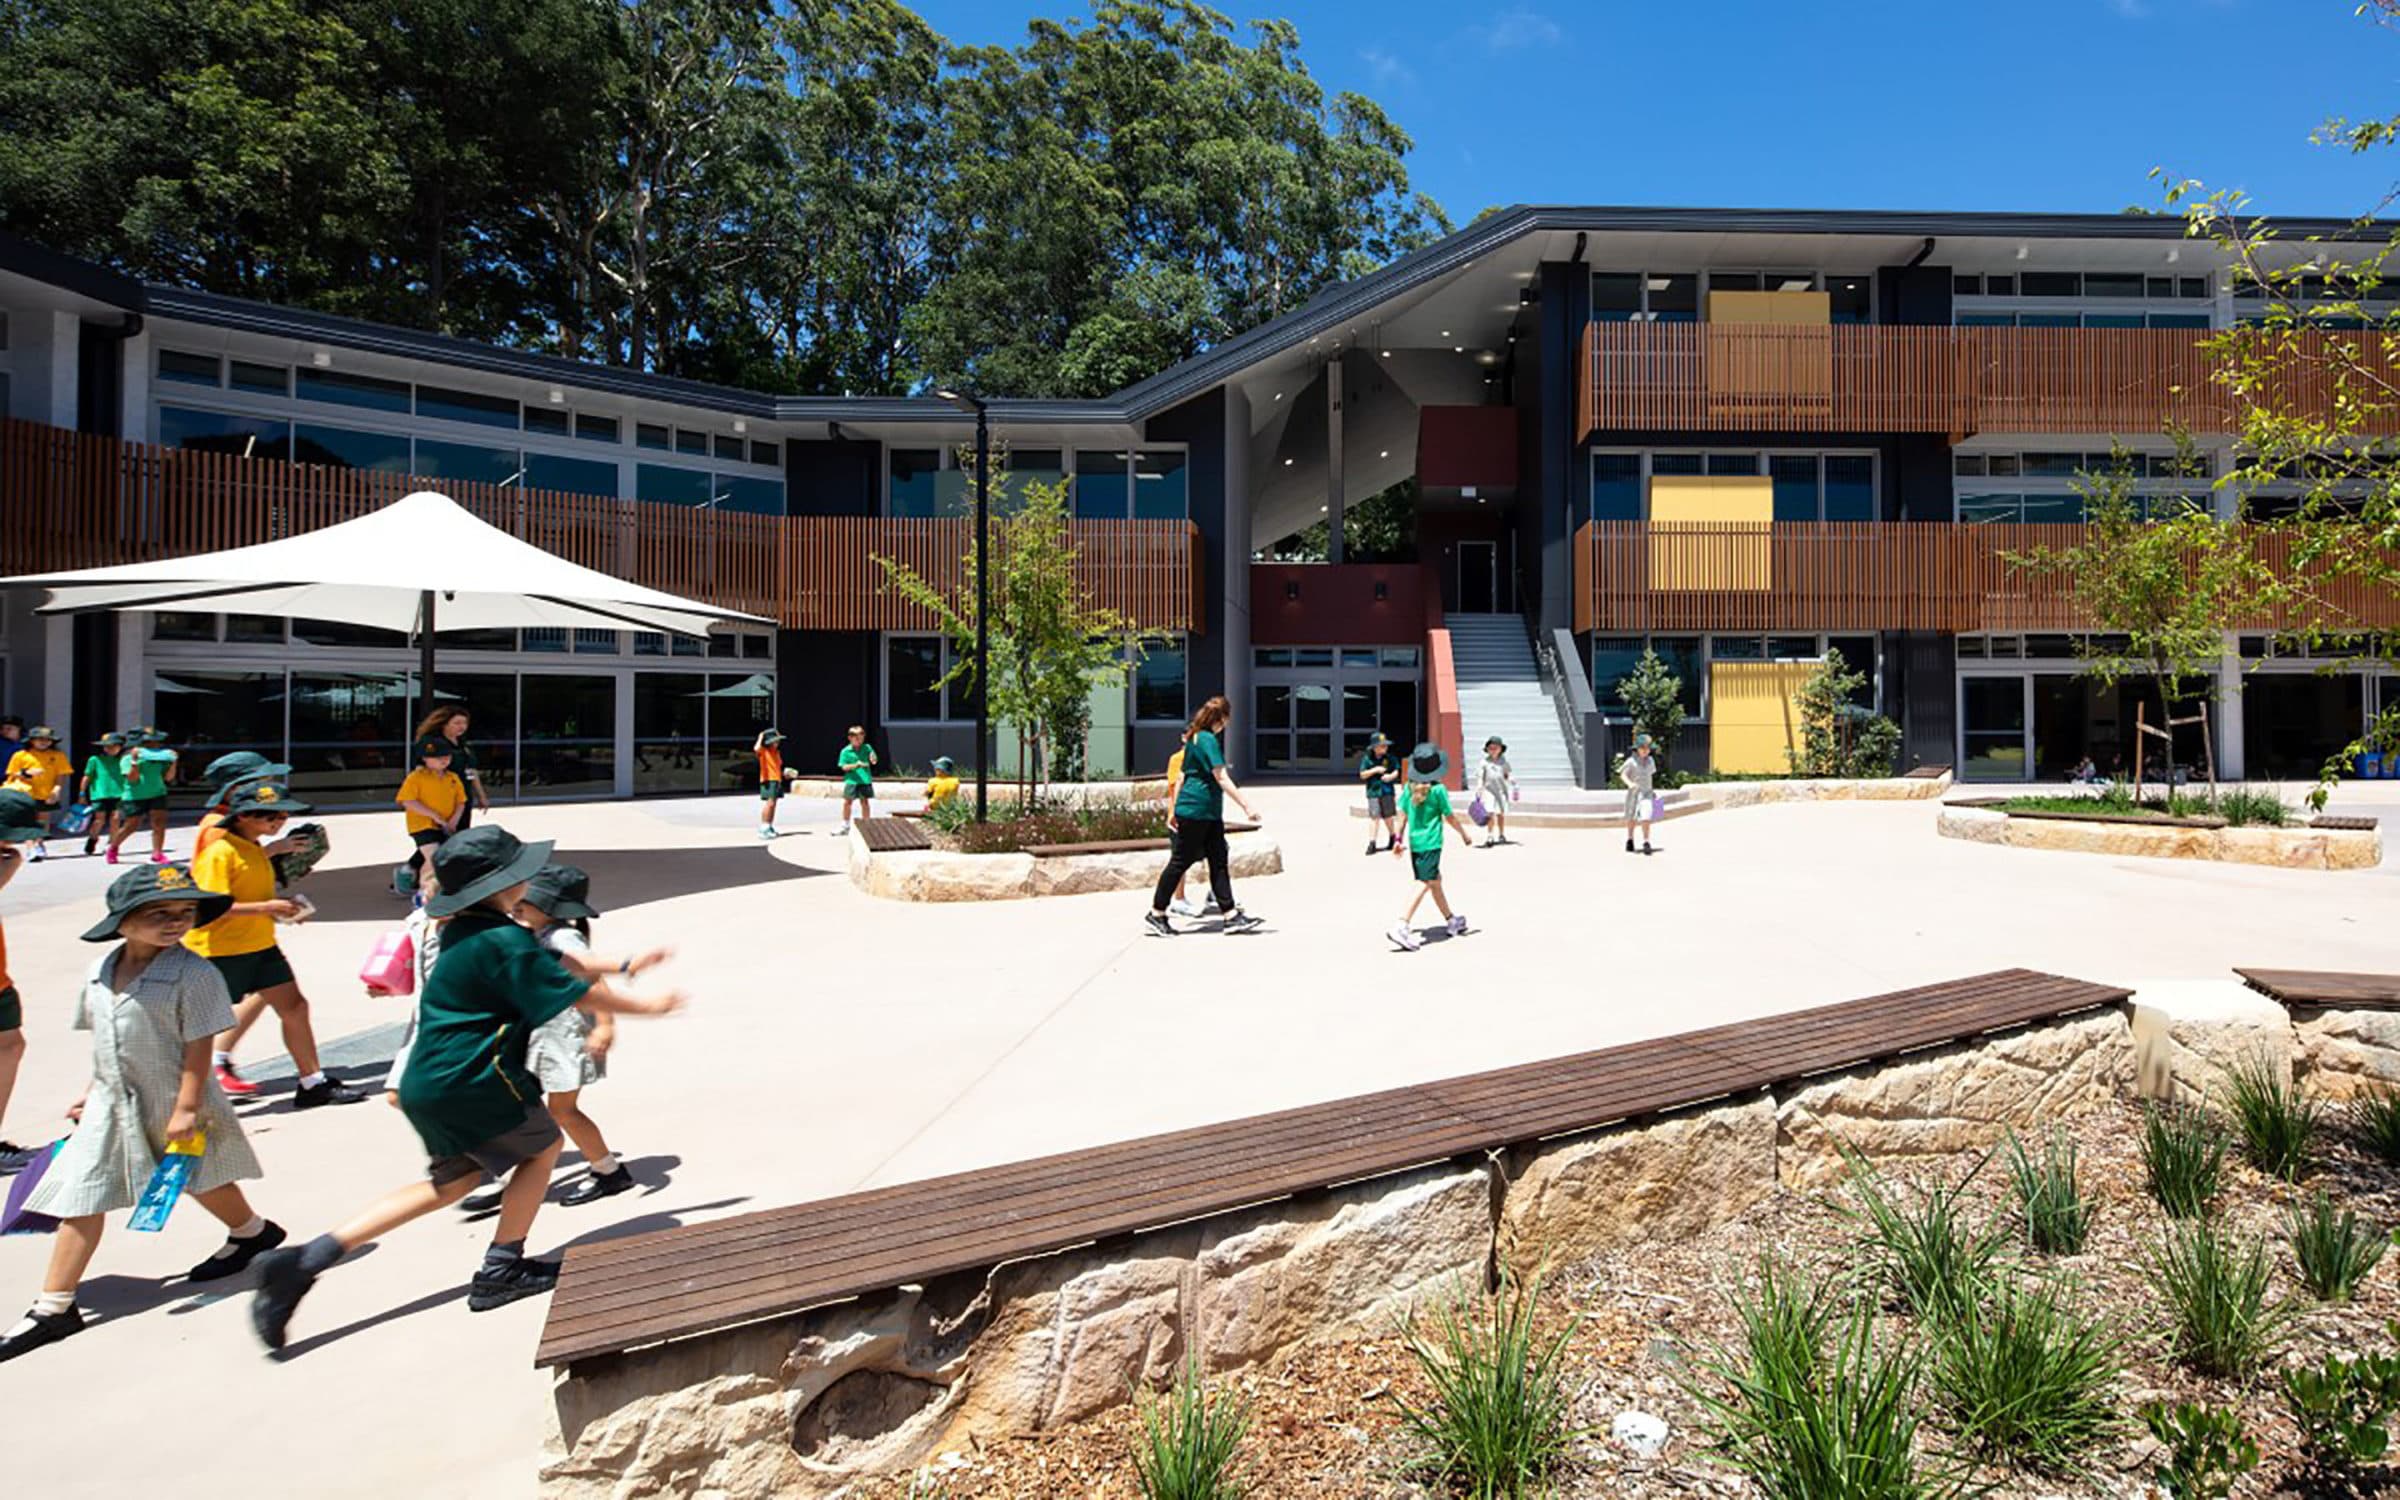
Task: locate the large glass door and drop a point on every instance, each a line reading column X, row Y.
column 1993, row 724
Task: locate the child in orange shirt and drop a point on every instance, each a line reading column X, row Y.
column 771, row 777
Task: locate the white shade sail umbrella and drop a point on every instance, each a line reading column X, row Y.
column 421, row 559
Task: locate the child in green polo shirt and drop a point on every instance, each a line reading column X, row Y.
column 467, row 1089
column 148, row 766
column 858, row 777
column 103, row 789
column 1429, row 811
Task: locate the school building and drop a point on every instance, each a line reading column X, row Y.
column 1740, row 438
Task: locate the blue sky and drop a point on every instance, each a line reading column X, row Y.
column 2019, row 104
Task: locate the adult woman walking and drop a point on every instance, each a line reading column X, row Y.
column 450, row 722
column 1198, row 822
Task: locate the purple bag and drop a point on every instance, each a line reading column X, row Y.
column 1477, row 811
column 13, row 1217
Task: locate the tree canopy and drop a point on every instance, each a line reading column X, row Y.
column 818, row 195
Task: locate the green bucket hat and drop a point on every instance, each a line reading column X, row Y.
column 436, row 745
column 152, row 736
column 18, row 820
column 1378, row 739
column 1427, row 763
column 264, row 797
column 112, row 741
column 771, row 737
column 228, row 771
column 147, row 885
column 41, row 732
column 944, row 764
column 563, row 891
column 483, row 861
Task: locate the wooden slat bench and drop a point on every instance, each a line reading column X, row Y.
column 2342, row 823
column 1924, row 773
column 887, row 835
column 676, row 1283
column 2332, row 991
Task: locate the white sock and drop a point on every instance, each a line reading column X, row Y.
column 252, row 1230
column 53, row 1303
column 224, row 1059
column 605, row 1165
column 312, row 1080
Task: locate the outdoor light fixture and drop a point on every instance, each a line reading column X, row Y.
column 320, row 359
column 2022, row 252
column 1279, row 395
column 1387, row 354
column 968, row 401
column 1384, row 453
column 1287, row 463
column 1445, row 333
column 1291, row 588
column 739, row 425
column 1458, row 348
column 2174, row 254
column 557, row 396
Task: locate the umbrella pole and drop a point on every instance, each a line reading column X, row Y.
column 424, row 653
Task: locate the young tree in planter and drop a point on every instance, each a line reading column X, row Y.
column 1049, row 646
column 1837, row 736
column 1653, row 699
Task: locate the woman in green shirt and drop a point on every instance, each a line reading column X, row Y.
column 1198, row 822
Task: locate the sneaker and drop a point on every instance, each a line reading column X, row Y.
column 599, row 1185
column 498, row 1286
column 1157, row 922
column 1185, row 907
column 843, row 831
column 765, row 832
column 234, row 1084
column 40, row 853
column 1629, row 846
column 331, row 1091
column 234, row 1256
column 282, row 1282
column 1406, row 937
column 39, row 1329
column 1646, row 849
column 1239, row 920
column 1457, row 924
column 158, row 857
column 112, row 855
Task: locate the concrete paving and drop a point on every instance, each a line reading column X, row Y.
column 838, row 1042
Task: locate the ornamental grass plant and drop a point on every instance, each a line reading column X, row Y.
column 2183, row 1159
column 1191, row 1441
column 2058, row 1217
column 2279, row 1122
column 1498, row 1424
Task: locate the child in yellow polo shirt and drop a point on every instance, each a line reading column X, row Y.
column 41, row 771
column 942, row 785
column 434, row 799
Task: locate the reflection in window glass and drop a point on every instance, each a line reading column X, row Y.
column 189, row 369
column 471, row 462
column 266, row 380
column 738, row 708
column 257, row 629
column 914, row 472
column 595, row 643
column 208, row 714
column 1732, row 465
column 1850, row 487
column 340, row 633
column 1676, row 463
column 571, row 476
column 1794, row 476
column 1674, row 299
column 490, row 699
column 338, row 389
column 550, row 421
column 348, row 448
column 1616, row 486
column 349, row 734
column 570, row 735
column 669, row 732
column 1158, row 685
column 750, row 496
column 593, row 429
column 688, row 441
column 913, row 674
column 1613, row 659
column 653, row 435
column 1159, row 486
column 466, row 406
column 1736, row 648
column 1099, row 484
column 217, row 432
column 183, row 625
column 1616, row 296
column 666, row 485
column 1851, row 298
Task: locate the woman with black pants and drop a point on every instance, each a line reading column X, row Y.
column 1197, row 819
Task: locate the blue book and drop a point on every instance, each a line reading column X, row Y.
column 168, row 1180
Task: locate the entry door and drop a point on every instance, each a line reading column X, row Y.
column 1478, row 577
column 1994, row 729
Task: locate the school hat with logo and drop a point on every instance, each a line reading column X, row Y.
column 226, row 771
column 1427, row 763
column 771, row 737
column 112, row 741
column 944, row 764
column 1378, row 740
column 151, row 736
column 148, row 885
column 18, row 820
column 435, row 746
column 41, row 732
column 564, row 891
column 264, row 797
column 1496, row 740
column 483, row 861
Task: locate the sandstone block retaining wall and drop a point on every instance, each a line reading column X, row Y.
column 2282, row 848
column 939, row 875
column 1822, row 789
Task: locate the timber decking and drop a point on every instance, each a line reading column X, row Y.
column 2318, row 987
column 677, row 1283
column 2341, row 823
column 890, row 835
column 1925, row 773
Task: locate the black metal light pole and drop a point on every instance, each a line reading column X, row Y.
column 983, row 592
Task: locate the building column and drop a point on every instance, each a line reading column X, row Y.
column 60, row 361
column 133, row 411
column 2226, row 711
column 1335, row 505
column 133, row 671
column 1234, row 564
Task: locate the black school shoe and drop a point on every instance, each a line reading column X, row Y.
column 331, row 1091
column 498, row 1286
column 282, row 1282
column 41, row 1329
column 599, row 1185
column 237, row 1255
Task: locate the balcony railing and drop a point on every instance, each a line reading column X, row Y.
column 1675, row 577
column 1698, row 377
column 75, row 500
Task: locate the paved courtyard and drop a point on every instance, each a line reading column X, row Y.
column 838, row 1042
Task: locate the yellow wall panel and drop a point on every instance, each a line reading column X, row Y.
column 1712, row 532
column 1752, row 724
column 1771, row 307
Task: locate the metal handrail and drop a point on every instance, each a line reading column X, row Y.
column 1570, row 692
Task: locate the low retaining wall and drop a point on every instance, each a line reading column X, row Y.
column 2296, row 848
column 1147, row 789
column 1822, row 789
column 801, row 1405
column 943, row 875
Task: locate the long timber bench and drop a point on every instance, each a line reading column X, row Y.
column 679, row 1283
column 2325, row 989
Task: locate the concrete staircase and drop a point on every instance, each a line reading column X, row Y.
column 1500, row 692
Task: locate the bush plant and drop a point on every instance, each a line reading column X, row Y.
column 2241, row 806
column 2276, row 1119
column 1190, row 1447
column 1497, row 1426
column 2214, row 1284
column 2333, row 1249
column 2343, row 1409
column 1837, row 736
column 1926, row 1250
column 2183, row 1159
column 1653, row 699
column 2374, row 1121
column 2057, row 1215
column 2207, row 1451
column 2026, row 1376
column 1020, row 824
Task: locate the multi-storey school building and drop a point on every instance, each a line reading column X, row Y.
column 1740, row 438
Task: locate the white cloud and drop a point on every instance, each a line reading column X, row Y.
column 1386, row 69
column 1519, row 27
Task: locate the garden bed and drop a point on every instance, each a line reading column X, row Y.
column 912, row 788
column 2289, row 848
column 1755, row 792
column 1068, row 867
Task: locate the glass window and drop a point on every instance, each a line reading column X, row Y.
column 1159, row 486
column 500, row 638
column 1398, row 656
column 914, row 472
column 912, row 678
column 2112, row 320
column 208, row 714
column 1676, row 463
column 466, row 406
column 190, row 369
column 2050, row 283
column 732, row 449
column 1271, row 656
column 1989, row 507
column 1358, row 656
column 670, row 486
column 1999, row 286
column 1681, row 654
column 1987, row 320
column 348, row 448
column 551, row 421
column 1966, row 463
column 1733, row 281
column 1992, row 728
column 2004, row 465
column 490, row 701
column 543, row 638
column 688, row 441
column 595, row 642
column 749, row 495
column 770, row 454
column 596, row 429
column 738, row 708
column 1158, row 685
column 2179, row 320
column 1852, row 298
column 1616, row 296
column 1312, row 656
column 336, row 388
column 349, row 734
column 670, row 711
column 1966, row 286
column 1736, row 648
column 1732, row 464
column 2160, row 286
column 1616, row 486
column 569, row 736
column 1850, row 487
column 1792, row 647
column 1613, row 659
column 2050, row 320
column 183, row 625
column 1099, row 484
column 1274, row 706
column 1673, row 299
column 653, row 435
column 2192, row 286
column 472, row 462
column 1794, row 476
column 758, row 648
column 1858, row 654
column 337, row 633
column 2053, row 465
column 217, row 432
column 267, row 380
column 2112, row 284
column 720, row 643
column 572, row 476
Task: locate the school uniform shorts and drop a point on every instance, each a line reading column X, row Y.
column 254, row 973
column 135, row 807
column 770, row 791
column 1426, row 862
column 500, row 1155
column 12, row 1009
column 1383, row 805
column 858, row 794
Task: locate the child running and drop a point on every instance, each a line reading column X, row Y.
column 151, row 1006
column 770, row 779
column 1429, row 812
column 149, row 768
column 433, row 800
column 17, row 826
column 858, row 777
column 467, row 1091
column 1639, row 772
column 1497, row 786
column 103, row 789
column 569, row 1052
column 1379, row 771
column 41, row 771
